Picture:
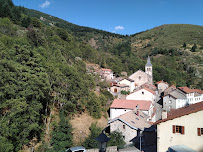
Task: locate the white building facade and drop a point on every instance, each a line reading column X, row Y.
column 183, row 128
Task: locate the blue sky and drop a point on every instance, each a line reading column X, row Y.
column 121, row 16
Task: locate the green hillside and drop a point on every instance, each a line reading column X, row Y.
column 184, row 42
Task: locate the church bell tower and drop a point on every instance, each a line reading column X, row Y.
column 148, row 67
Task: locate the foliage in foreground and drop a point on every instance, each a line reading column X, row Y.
column 116, row 139
column 62, row 135
column 91, row 142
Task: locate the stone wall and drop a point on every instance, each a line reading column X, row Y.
column 109, row 149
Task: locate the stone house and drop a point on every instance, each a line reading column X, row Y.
column 117, row 88
column 129, row 82
column 161, row 86
column 129, row 124
column 183, row 127
column 107, row 74
column 169, row 89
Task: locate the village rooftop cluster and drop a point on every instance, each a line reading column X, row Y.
column 168, row 117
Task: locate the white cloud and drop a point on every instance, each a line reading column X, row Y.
column 45, row 4
column 119, row 28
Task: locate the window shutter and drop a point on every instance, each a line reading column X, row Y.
column 174, row 128
column 199, row 131
column 183, row 130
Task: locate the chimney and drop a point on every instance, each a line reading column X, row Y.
column 137, row 110
column 164, row 114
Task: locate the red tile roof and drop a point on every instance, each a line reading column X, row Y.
column 188, row 90
column 176, row 113
column 130, row 104
column 148, row 84
column 161, row 82
column 152, row 91
column 149, row 90
column 106, row 69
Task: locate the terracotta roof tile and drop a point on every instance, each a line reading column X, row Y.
column 176, row 113
column 130, row 104
column 172, row 86
column 161, row 82
column 106, row 69
column 149, row 90
column 188, row 90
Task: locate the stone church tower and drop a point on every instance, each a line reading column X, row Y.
column 148, row 67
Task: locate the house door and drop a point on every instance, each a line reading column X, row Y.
column 115, row 90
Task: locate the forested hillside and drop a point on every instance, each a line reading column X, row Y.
column 176, row 50
column 42, row 68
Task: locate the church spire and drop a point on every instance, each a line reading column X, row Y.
column 148, row 62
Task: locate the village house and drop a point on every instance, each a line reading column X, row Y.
column 143, row 94
column 181, row 97
column 129, row 82
column 117, row 88
column 122, row 106
column 174, row 100
column 192, row 95
column 169, row 89
column 161, row 86
column 129, row 124
column 121, row 84
column 106, row 74
column 181, row 128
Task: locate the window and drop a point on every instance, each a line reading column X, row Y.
column 142, row 92
column 139, row 77
column 170, row 101
column 199, row 131
column 178, row 129
column 123, row 126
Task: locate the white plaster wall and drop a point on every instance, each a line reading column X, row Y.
column 128, row 132
column 197, row 99
column 141, row 95
column 114, row 112
column 148, row 70
column 194, row 99
column 180, row 103
column 124, row 81
column 130, row 84
column 166, row 137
